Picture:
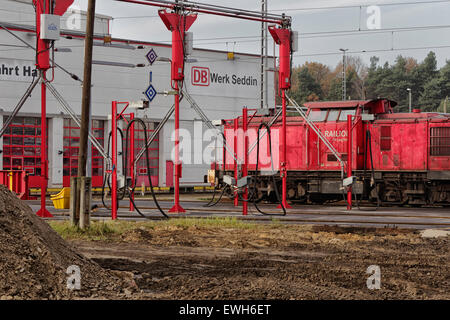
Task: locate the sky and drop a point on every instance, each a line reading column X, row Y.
column 406, row 27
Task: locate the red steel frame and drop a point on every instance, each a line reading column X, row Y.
column 114, row 160
column 282, row 37
column 349, row 159
column 131, row 160
column 43, row 64
column 236, row 126
column 245, row 164
column 114, row 118
column 178, row 166
column 178, row 22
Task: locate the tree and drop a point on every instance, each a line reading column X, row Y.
column 308, row 87
column 431, row 96
column 315, row 81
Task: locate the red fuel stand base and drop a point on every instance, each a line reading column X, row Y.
column 44, row 213
column 286, row 206
column 177, row 209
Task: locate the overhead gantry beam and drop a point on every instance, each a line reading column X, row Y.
column 282, row 19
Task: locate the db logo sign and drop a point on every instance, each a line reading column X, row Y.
column 200, row 76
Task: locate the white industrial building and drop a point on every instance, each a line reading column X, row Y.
column 230, row 84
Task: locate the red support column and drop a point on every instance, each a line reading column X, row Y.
column 131, row 166
column 43, row 212
column 244, row 165
column 236, row 126
column 178, row 23
column 178, row 165
column 283, row 160
column 114, row 160
column 349, row 160
column 282, row 37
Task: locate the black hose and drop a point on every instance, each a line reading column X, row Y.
column 218, row 200
column 254, row 191
column 131, row 188
column 369, row 147
column 108, row 175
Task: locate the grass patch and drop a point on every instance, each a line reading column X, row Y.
column 98, row 230
column 113, row 230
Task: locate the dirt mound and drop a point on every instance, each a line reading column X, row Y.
column 34, row 259
column 137, row 235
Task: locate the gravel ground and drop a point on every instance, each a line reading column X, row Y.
column 279, row 262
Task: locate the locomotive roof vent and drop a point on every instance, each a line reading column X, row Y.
column 376, row 106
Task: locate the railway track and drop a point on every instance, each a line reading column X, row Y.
column 336, row 215
column 298, row 217
column 292, row 212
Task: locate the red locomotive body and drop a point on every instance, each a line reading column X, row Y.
column 396, row 157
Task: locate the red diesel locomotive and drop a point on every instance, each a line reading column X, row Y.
column 396, row 158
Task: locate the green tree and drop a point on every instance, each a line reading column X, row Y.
column 309, row 89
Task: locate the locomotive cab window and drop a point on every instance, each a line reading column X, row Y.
column 345, row 113
column 317, row 115
column 440, row 141
column 333, row 115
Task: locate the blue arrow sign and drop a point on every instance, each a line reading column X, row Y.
column 150, row 93
column 151, row 56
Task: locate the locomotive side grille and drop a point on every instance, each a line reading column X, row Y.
column 440, row 141
column 332, row 158
column 385, row 138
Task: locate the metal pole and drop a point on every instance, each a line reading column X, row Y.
column 178, row 166
column 43, row 64
column 349, row 160
column 114, row 160
column 43, row 212
column 344, row 77
column 345, row 80
column 244, row 165
column 131, row 161
column 263, row 26
column 266, row 62
column 236, row 126
column 283, row 161
column 410, row 101
column 86, row 100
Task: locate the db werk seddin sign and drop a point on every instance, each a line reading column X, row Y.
column 17, row 70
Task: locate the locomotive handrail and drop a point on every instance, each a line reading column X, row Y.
column 318, row 132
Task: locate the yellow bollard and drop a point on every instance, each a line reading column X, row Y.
column 10, row 180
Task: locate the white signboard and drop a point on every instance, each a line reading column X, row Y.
column 17, row 70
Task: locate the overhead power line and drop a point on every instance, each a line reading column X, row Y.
column 370, row 51
column 361, row 5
